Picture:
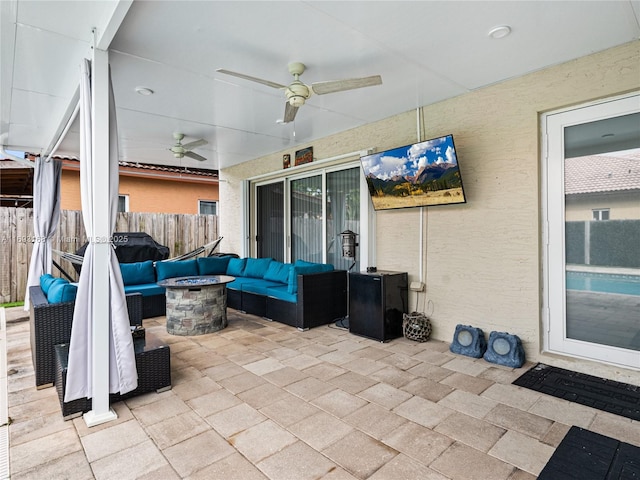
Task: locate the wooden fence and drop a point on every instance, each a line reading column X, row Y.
column 181, row 233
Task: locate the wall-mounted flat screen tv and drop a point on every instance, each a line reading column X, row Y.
column 421, row 174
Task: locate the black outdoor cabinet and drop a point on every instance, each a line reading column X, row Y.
column 377, row 301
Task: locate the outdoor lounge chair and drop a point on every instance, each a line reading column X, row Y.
column 50, row 325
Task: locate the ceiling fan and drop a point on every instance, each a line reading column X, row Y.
column 297, row 92
column 180, row 150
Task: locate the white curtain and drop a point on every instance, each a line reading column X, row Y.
column 46, row 214
column 122, row 368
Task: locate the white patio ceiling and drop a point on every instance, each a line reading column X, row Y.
column 425, row 51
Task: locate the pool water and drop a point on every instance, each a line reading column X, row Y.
column 604, row 282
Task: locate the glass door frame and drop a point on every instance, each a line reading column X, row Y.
column 555, row 337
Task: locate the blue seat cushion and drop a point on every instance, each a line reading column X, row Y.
column 278, row 272
column 178, row 268
column 212, row 265
column 236, row 267
column 147, row 289
column 256, row 267
column 62, row 292
column 282, row 293
column 46, row 281
column 304, row 270
column 138, row 273
column 259, row 287
column 240, row 281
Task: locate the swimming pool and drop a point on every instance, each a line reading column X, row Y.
column 604, row 282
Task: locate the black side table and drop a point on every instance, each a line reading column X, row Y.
column 153, row 363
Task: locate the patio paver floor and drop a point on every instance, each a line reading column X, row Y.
column 261, row 400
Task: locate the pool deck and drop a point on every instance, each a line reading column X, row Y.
column 598, row 269
column 604, row 318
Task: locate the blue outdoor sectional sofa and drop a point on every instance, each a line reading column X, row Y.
column 301, row 294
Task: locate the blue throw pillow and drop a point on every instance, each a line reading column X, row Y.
column 236, row 267
column 46, row 281
column 256, row 267
column 62, row 292
column 213, row 265
column 178, row 268
column 278, row 272
column 56, row 281
column 138, row 273
column 304, row 270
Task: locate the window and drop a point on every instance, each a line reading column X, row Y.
column 601, row 214
column 307, row 219
column 123, row 203
column 270, row 240
column 206, row 207
column 343, row 213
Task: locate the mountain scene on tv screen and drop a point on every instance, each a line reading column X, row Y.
column 424, row 173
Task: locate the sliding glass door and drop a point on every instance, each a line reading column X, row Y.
column 302, row 217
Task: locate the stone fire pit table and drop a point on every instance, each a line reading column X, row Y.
column 196, row 305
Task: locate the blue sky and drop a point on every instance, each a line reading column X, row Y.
column 16, row 153
column 409, row 159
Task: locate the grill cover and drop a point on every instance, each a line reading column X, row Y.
column 133, row 247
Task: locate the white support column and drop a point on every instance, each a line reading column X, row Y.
column 101, row 411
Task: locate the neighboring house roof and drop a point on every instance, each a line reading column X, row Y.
column 602, row 173
column 184, row 174
column 200, row 172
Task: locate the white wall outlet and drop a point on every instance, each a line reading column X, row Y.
column 416, row 286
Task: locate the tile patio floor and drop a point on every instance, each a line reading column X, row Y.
column 261, row 400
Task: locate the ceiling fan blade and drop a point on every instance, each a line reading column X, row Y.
column 250, row 78
column 322, row 88
column 192, row 145
column 195, row 156
column 289, row 112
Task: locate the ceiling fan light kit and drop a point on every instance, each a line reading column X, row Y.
column 296, row 101
column 298, row 93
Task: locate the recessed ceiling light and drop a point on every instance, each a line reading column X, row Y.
column 500, row 32
column 144, row 91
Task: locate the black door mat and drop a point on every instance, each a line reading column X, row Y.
column 586, row 455
column 607, row 395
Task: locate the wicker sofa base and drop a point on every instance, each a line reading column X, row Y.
column 284, row 312
column 322, row 298
column 234, row 299
column 254, row 304
column 154, row 306
column 153, row 363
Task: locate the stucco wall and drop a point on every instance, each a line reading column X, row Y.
column 146, row 194
column 482, row 259
column 623, row 206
